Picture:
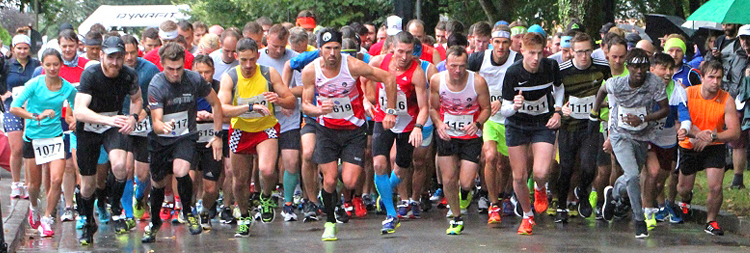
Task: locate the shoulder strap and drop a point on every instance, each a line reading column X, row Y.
column 232, row 72
column 265, row 71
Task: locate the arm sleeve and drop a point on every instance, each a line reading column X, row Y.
column 507, row 108
column 558, row 90
column 28, row 91
column 694, row 78
column 300, row 61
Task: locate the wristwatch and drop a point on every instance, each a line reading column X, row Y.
column 417, row 125
column 643, row 118
column 135, row 115
column 390, row 111
column 714, row 137
column 479, row 125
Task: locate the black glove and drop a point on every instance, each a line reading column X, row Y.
column 594, row 125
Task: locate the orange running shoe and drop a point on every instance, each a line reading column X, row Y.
column 494, row 213
column 526, row 226
column 540, row 200
column 360, row 210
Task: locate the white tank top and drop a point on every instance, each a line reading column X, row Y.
column 495, row 75
column 459, row 108
column 348, row 111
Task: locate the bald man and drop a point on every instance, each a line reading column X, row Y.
column 646, row 46
column 216, row 29
column 416, row 28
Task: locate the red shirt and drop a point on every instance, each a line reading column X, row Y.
column 441, row 51
column 153, row 57
column 376, row 48
column 427, row 53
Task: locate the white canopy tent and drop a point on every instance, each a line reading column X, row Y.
column 133, row 16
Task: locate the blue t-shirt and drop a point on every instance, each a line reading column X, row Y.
column 146, row 70
column 40, row 98
column 16, row 75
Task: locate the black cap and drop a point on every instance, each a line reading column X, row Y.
column 64, row 26
column 575, row 25
column 606, row 27
column 113, row 44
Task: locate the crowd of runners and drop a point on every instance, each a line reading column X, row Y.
column 196, row 124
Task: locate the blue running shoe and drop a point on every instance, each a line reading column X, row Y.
column 662, row 214
column 103, row 213
column 437, row 196
column 389, row 225
column 416, row 210
column 80, row 222
column 403, row 210
column 508, row 208
column 674, row 217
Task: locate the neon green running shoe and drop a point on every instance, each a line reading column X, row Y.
column 456, row 227
column 593, row 199
column 466, row 202
column 330, row 232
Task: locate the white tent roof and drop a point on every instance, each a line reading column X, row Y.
column 133, row 16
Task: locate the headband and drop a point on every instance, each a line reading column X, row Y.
column 501, row 34
column 329, row 35
column 517, row 30
column 168, row 35
column 306, row 22
column 638, row 60
column 674, row 42
column 565, row 41
column 21, row 38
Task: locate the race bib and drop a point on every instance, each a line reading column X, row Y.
column 180, row 124
column 637, row 111
column 401, row 106
column 205, row 132
column 99, row 128
column 581, row 107
column 259, row 99
column 456, row 123
column 47, row 150
column 496, row 95
column 142, row 128
column 342, row 108
column 535, row 107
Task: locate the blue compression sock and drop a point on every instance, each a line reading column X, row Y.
column 140, row 188
column 394, row 179
column 127, row 199
column 385, row 190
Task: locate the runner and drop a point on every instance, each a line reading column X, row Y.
column 531, row 87
column 702, row 148
column 224, row 59
column 248, row 93
column 275, row 56
column 14, row 82
column 97, row 109
column 43, row 98
column 411, row 115
column 460, row 104
column 582, row 77
column 150, row 40
column 210, row 167
column 172, row 98
column 492, row 65
column 633, row 100
column 167, row 33
column 138, row 158
column 340, row 133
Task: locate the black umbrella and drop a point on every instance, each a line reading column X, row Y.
column 658, row 25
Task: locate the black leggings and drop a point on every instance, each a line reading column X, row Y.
column 574, row 146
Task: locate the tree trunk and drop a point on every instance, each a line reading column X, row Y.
column 489, row 10
column 608, row 8
column 504, row 10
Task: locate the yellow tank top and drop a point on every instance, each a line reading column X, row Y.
column 250, row 90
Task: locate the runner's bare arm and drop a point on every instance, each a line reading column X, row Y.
column 370, row 87
column 286, row 75
column 600, row 96
column 731, row 121
column 359, row 68
column 285, row 97
column 157, row 124
column 435, row 57
column 434, row 96
column 423, row 95
column 483, row 97
column 431, row 70
column 661, row 113
column 225, row 96
column 308, row 92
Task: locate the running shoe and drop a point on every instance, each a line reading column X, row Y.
column 16, row 190
column 310, row 210
column 465, row 203
column 34, row 219
column 443, row 203
column 213, row 211
column 166, row 211
column 641, row 230
column 584, row 204
column 267, row 212
column 599, row 213
column 205, row 221
column 622, row 209
column 561, row 216
column 449, row 214
column 349, row 208
column 68, row 215
column 379, row 206
column 437, row 196
column 226, row 216
column 508, row 208
column 674, row 217
column 456, row 226
column 103, row 213
column 149, row 233
column 368, row 201
column 341, row 216
column 517, row 209
column 130, row 222
column 87, row 234
column 425, row 203
column 288, row 213
column 329, row 234
column 650, row 220
column 403, row 209
column 45, row 227
column 593, row 199
column 193, row 224
column 118, row 222
column 713, row 228
column 139, row 209
column 390, row 224
column 483, row 204
column 494, row 215
column 684, row 208
column 662, row 215
column 540, row 200
column 552, row 209
column 415, row 211
column 24, row 191
column 573, row 209
column 80, row 222
column 360, row 210
column 608, row 210
column 527, row 225
column 243, row 226
column 179, row 217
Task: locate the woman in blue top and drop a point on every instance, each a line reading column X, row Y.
column 17, row 71
column 43, row 143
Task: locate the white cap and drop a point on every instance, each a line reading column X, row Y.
column 393, row 24
column 744, row 30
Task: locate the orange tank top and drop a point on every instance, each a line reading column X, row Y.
column 706, row 114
